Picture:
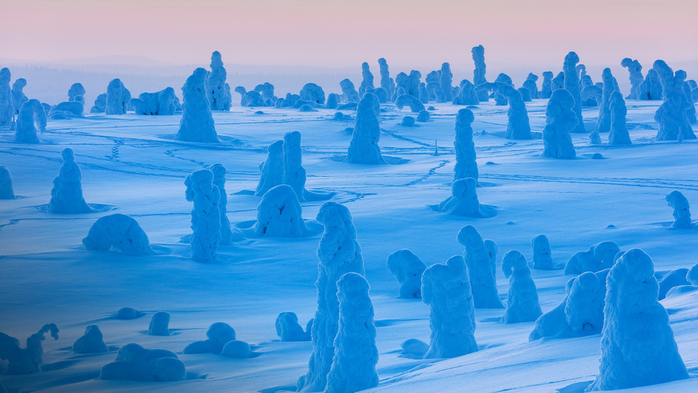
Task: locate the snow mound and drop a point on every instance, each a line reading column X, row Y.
column 314, row 93
column 674, row 278
column 682, row 214
column 219, row 334
column 135, row 363
column 156, row 104
column 407, row 269
column 542, row 254
column 288, row 328
column 522, row 300
column 31, row 115
column 159, row 324
column 598, row 257
column 279, row 214
column 6, row 190
column 128, row 313
column 236, row 349
column 91, row 342
column 464, row 202
column 117, row 232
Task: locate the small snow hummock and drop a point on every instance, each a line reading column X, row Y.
column 288, row 328
column 205, row 216
column 31, row 115
column 636, row 79
column 333, row 100
column 619, row 128
column 598, row 257
column 236, row 349
column 349, row 93
column 339, row 253
column 518, row 126
column 118, row 98
column 26, row 360
column 407, row 269
column 637, row 346
column 671, row 115
column 161, row 103
column 219, row 173
column 463, row 200
column 423, row 116
column 91, row 342
column 466, row 164
column 446, row 289
column 546, row 89
column 219, row 334
column 218, row 92
column 672, row 279
column 522, row 300
column 159, row 324
column 574, row 88
column 279, row 214
column 7, row 111
column 128, row 313
column 682, row 212
column 560, row 120
column 692, row 275
column 6, row 190
column 542, row 258
column 120, row 232
column 413, row 102
column 363, row 148
column 272, row 170
column 355, row 353
column 66, row 195
column 135, row 363
column 197, row 122
column 480, row 256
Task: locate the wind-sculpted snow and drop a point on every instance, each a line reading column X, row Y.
column 522, row 299
column 217, row 90
column 279, row 214
column 66, row 195
column 313, row 92
column 218, row 334
column 349, row 93
column 363, row 148
column 546, row 89
column 197, row 122
column 671, row 115
column 135, row 363
column 117, row 232
column 407, row 269
column 542, row 254
column 530, row 84
column 27, row 360
column 205, row 216
column 90, row 342
column 574, row 88
column 159, row 324
column 76, row 93
column 446, row 81
column 415, row 105
column 480, row 257
column 619, row 128
column 160, row 103
column 636, row 78
column 518, row 126
column 367, row 79
column 18, row 96
column 560, row 120
column 7, row 111
column 386, row 81
column 480, row 71
column 682, row 213
column 464, row 202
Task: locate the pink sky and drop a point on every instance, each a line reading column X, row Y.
column 346, row 33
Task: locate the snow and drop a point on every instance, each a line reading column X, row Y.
column 314, row 93
column 160, row 103
column 542, row 254
column 120, row 232
column 386, row 81
column 90, row 342
column 236, row 349
column 66, row 195
column 6, row 190
column 408, row 269
column 466, row 157
column 522, row 299
column 18, row 96
column 117, row 99
column 518, row 126
column 573, row 86
column 197, row 122
column 598, row 257
column 671, row 115
column 205, row 216
column 217, row 90
column 279, row 214
column 7, row 111
column 288, row 328
column 349, row 93
column 29, row 113
column 363, row 148
column 480, row 71
column 547, row 86
column 218, row 334
column 159, row 324
column 560, row 122
column 367, row 79
column 480, row 258
column 635, row 69
column 135, row 363
column 404, row 100
column 76, row 93
column 219, row 173
column 682, row 214
column 619, row 129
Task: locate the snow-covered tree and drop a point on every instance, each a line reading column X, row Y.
column 636, row 78
column 619, row 128
column 598, row 257
column 481, row 266
column 117, row 99
column 518, row 126
column 288, row 328
column 205, row 216
column 542, row 254
column 682, row 212
column 363, row 148
column 279, row 214
column 407, row 269
column 386, row 81
column 480, row 71
column 546, row 89
column 671, row 115
column 573, row 86
column 7, row 111
column 217, row 90
column 219, row 173
column 117, row 231
column 90, row 342
column 30, row 116
column 560, row 120
column 197, row 122
column 159, row 324
column 6, row 190
column 349, row 93
column 466, row 164
column 522, row 299
column 66, row 195
column 135, row 363
column 27, row 360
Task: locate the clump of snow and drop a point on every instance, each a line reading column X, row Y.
column 546, row 89
column 671, row 115
column 525, row 94
column 637, row 347
column 91, row 342
column 156, row 104
column 6, row 190
column 423, row 116
column 26, row 360
column 236, row 349
column 446, row 289
column 598, row 257
column 349, row 93
column 480, row 257
column 619, row 129
column 205, row 216
column 423, row 95
column 558, row 82
column 407, row 121
column 502, row 80
column 363, row 148
column 403, row 100
column 651, row 88
column 135, row 363
column 128, row 313
column 219, row 173
column 560, row 120
column 414, row 348
column 217, row 91
column 66, row 195
column 100, row 104
column 117, row 232
column 219, row 334
column 672, row 279
column 333, row 100
column 279, row 214
column 31, row 115
column 65, row 110
column 542, row 255
column 518, row 126
column 118, row 98
column 314, row 93
column 355, row 353
column 76, row 93
column 272, row 170
column 197, row 122
column 288, row 328
column 466, row 94
column 18, row 96
column 407, row 269
column 466, row 164
column 7, row 111
column 530, row 84
column 463, row 200
column 682, row 212
column 636, row 79
column 159, row 324
column 339, row 253
column 522, row 299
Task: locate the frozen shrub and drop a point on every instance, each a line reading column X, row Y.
column 530, row 84
column 217, row 91
column 682, row 213
column 367, row 79
column 18, row 96
column 236, row 349
column 339, row 253
column 415, row 105
column 205, row 216
column 31, row 115
column 6, row 190
column 446, row 81
column 480, row 70
column 637, row 347
column 542, row 258
column 26, row 360
column 518, row 126
column 635, row 70
column 355, row 353
column 386, row 81
column 76, row 93
column 671, row 115
column 332, row 101
column 314, row 93
column 603, row 123
column 66, row 195
column 466, row 94
column 672, row 279
column 219, row 173
column 423, row 94
column 100, row 104
column 481, row 266
column 407, row 121
column 598, row 257
column 573, row 86
column 560, row 121
column 279, row 214
column 128, row 313
column 446, row 290
column 117, row 232
column 160, row 103
column 619, row 129
column 414, row 80
column 218, row 334
column 91, row 342
column 499, row 97
column 584, row 305
column 118, row 98
column 159, row 324
column 288, row 329
column 558, row 82
column 272, row 170
column 7, row 111
column 423, row 116
column 407, row 269
column 363, row 148
column 522, row 300
column 547, row 86
column 197, row 122
column 349, row 93
column 466, row 164
column 294, row 173
column 463, row 200
column 135, row 363
column 381, row 93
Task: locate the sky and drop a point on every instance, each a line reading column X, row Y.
column 338, row 33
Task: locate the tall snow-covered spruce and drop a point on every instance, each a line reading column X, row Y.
column 560, row 120
column 218, row 91
column 480, row 256
column 574, row 88
column 66, row 195
column 466, row 164
column 205, row 217
column 671, row 115
column 522, row 300
column 197, row 122
column 363, row 148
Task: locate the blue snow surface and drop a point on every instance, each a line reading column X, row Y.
column 133, row 165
